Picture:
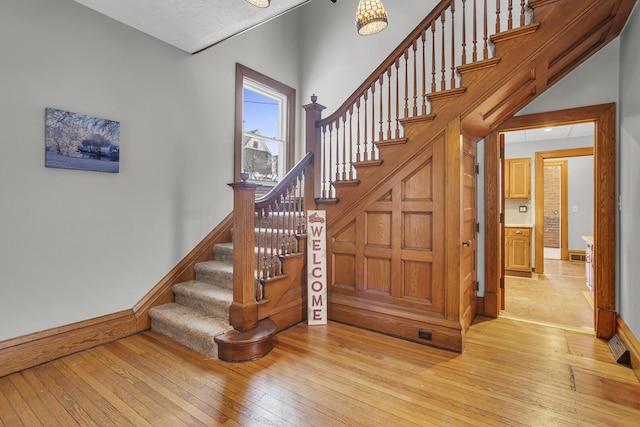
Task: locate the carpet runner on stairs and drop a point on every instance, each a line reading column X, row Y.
column 201, row 308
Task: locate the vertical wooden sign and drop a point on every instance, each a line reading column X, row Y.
column 316, row 268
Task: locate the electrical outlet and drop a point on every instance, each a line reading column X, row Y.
column 425, row 335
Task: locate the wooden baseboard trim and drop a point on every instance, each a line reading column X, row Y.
column 41, row 347
column 631, row 342
column 517, row 273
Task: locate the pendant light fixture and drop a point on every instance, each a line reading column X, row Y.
column 371, row 17
column 260, row 3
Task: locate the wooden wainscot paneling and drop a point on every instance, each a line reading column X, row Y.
column 389, row 268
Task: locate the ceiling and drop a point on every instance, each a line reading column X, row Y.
column 545, row 134
column 190, row 25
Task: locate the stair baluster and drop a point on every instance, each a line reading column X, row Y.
column 448, row 45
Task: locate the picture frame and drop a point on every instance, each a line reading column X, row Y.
column 81, row 142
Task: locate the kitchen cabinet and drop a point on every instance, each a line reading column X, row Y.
column 518, row 249
column 517, row 178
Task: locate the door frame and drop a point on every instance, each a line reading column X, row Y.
column 605, row 149
column 541, row 156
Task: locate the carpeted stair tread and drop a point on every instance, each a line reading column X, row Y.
column 189, row 326
column 204, row 296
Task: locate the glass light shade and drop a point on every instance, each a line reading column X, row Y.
column 371, row 17
column 260, row 3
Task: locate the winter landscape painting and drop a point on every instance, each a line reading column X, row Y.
column 76, row 141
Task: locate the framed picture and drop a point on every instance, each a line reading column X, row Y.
column 77, row 141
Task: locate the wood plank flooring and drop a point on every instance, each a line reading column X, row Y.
column 512, row 373
column 557, row 297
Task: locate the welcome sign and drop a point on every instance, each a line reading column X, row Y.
column 316, row 268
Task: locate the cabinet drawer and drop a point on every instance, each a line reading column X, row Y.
column 509, row 231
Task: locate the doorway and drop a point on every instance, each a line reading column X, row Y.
column 556, row 292
column 604, row 212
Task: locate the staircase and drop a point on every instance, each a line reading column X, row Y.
column 396, row 176
column 393, row 169
column 201, row 308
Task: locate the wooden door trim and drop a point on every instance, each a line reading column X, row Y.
column 604, row 117
column 541, row 156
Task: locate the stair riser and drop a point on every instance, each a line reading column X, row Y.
column 225, row 254
column 215, row 308
column 189, row 338
column 220, row 278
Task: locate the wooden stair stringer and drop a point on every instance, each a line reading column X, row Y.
column 564, row 40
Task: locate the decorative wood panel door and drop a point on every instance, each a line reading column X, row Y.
column 392, row 253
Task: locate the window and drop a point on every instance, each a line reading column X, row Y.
column 264, row 127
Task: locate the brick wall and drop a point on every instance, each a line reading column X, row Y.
column 552, row 206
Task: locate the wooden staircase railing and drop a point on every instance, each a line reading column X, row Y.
column 421, row 69
column 265, row 232
column 268, row 260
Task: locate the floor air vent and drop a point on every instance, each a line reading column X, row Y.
column 577, row 257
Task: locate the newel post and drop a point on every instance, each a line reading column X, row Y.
column 314, row 145
column 243, row 313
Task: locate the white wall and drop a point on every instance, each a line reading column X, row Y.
column 629, row 177
column 580, row 200
column 74, row 244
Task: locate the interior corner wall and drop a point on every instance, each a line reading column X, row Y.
column 629, row 173
column 75, row 245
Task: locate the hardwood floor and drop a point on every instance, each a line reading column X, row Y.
column 511, row 373
column 557, row 297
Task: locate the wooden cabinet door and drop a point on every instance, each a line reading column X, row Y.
column 518, row 178
column 518, row 249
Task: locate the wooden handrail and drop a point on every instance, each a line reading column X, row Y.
column 280, row 189
column 265, row 230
